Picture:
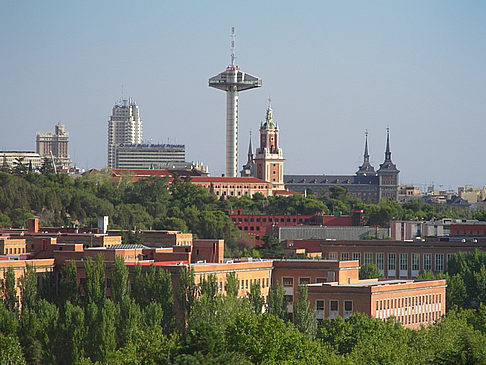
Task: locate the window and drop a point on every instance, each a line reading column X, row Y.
column 391, row 261
column 320, row 280
column 288, row 282
column 427, row 262
column 356, row 256
column 403, row 262
column 333, row 305
column 415, row 262
column 368, row 258
column 344, row 256
column 380, row 261
column 304, row 281
column 331, row 276
column 333, row 255
column 319, row 305
column 439, row 262
column 348, row 308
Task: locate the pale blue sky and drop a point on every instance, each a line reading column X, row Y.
column 332, row 69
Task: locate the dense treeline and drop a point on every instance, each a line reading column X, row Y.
column 338, row 201
column 138, row 325
column 60, row 200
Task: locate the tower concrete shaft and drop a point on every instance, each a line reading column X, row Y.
column 232, row 81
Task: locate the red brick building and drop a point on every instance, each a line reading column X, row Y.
column 395, row 259
column 260, row 225
column 411, row 303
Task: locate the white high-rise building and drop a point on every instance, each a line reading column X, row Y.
column 124, row 126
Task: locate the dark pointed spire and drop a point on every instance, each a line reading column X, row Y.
column 387, row 151
column 366, row 155
column 388, row 164
column 366, row 168
column 250, row 151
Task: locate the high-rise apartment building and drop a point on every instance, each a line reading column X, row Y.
column 124, row 127
column 54, row 145
column 151, row 156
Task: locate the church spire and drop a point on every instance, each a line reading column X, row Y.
column 366, row 155
column 366, row 168
column 250, row 151
column 387, row 151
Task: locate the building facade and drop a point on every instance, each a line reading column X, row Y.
column 54, row 145
column 150, row 156
column 124, row 127
column 411, row 303
column 223, row 186
column 261, row 225
column 395, row 259
column 366, row 185
column 10, row 159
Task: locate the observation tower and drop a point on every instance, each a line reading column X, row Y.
column 233, row 80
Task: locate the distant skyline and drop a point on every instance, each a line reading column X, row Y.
column 332, row 70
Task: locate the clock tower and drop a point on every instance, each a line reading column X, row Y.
column 269, row 159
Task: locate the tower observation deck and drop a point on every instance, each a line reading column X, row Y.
column 233, row 80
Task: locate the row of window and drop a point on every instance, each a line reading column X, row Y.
column 410, row 301
column 246, row 228
column 334, row 306
column 270, row 220
column 14, row 250
column 403, row 260
column 289, row 281
column 247, row 283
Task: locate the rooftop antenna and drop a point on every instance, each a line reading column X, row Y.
column 269, row 102
column 122, row 91
column 232, row 46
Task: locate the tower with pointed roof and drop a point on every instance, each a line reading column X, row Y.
column 388, row 174
column 248, row 169
column 269, row 161
column 366, row 169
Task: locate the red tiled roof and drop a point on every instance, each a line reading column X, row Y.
column 225, row 179
column 157, row 263
column 142, row 172
column 285, row 192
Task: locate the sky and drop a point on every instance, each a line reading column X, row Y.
column 332, row 69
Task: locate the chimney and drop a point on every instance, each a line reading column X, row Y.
column 103, row 224
column 33, row 225
column 357, row 217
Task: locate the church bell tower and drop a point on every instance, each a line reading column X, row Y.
column 269, row 159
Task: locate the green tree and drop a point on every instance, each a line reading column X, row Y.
column 277, row 305
column 106, row 331
column 9, row 290
column 95, row 285
column 28, row 287
column 370, row 271
column 68, row 286
column 119, row 280
column 186, row 294
column 10, row 351
column 74, row 334
column 19, row 167
column 9, row 320
column 47, row 167
column 231, row 284
column 209, row 286
column 305, row 318
column 255, row 298
column 129, row 321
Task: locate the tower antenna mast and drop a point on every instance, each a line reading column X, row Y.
column 232, row 46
